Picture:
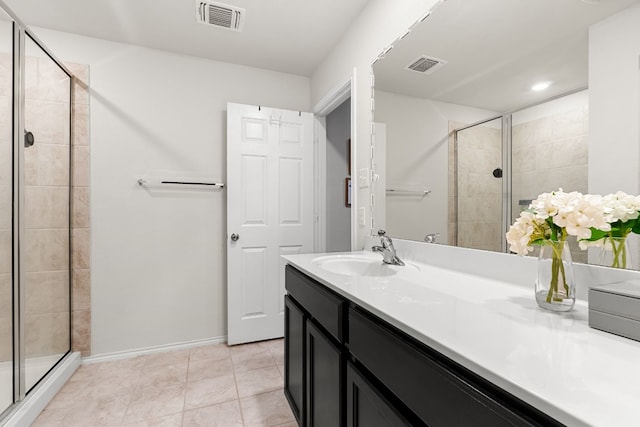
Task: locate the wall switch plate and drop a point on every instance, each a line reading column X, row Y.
column 363, row 178
column 362, row 217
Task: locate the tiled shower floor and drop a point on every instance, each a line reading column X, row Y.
column 213, row 386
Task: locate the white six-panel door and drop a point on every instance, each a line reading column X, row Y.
column 269, row 213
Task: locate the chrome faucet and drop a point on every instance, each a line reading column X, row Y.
column 431, row 237
column 387, row 250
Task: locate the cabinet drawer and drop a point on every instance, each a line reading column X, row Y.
column 321, row 304
column 439, row 391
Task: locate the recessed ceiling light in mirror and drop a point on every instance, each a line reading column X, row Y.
column 540, row 86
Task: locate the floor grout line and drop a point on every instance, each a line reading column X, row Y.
column 235, row 381
column 186, row 387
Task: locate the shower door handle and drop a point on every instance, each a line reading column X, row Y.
column 235, row 237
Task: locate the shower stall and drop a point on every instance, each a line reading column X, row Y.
column 500, row 165
column 477, row 192
column 35, row 214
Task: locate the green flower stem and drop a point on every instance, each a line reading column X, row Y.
column 557, row 268
column 619, row 252
column 554, row 279
column 618, row 239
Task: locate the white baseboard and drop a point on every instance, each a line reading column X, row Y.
column 151, row 350
column 26, row 412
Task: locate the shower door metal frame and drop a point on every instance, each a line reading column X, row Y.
column 18, row 207
column 507, row 189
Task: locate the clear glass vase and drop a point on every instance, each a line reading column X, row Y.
column 555, row 284
column 615, row 253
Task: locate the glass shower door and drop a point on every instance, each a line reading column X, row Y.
column 6, row 211
column 479, row 203
column 46, row 237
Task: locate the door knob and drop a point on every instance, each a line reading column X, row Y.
column 235, row 237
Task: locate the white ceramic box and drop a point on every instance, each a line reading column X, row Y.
column 615, row 308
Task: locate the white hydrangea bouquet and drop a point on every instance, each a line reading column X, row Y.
column 548, row 221
column 623, row 211
column 554, row 216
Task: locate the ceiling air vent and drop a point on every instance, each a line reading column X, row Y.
column 425, row 64
column 220, row 15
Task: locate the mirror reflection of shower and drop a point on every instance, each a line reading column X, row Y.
column 548, row 149
column 477, row 186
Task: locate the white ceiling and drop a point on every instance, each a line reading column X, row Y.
column 496, row 50
column 291, row 36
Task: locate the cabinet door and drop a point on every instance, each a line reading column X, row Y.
column 324, row 377
column 366, row 407
column 294, row 348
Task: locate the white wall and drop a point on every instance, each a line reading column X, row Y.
column 614, row 104
column 575, row 101
column 159, row 258
column 338, row 227
column 380, row 24
column 417, row 157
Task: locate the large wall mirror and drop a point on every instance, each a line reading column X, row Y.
column 464, row 139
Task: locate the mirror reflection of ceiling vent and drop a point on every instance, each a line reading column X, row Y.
column 425, row 64
column 220, row 15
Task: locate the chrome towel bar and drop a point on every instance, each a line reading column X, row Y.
column 214, row 185
column 408, row 191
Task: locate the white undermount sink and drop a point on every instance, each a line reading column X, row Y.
column 360, row 264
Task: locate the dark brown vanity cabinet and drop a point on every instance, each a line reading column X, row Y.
column 314, row 353
column 324, row 372
column 347, row 367
column 294, row 351
column 366, row 406
column 432, row 389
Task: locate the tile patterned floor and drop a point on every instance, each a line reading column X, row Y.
column 212, row 386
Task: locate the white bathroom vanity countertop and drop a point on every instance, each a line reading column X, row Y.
column 555, row 362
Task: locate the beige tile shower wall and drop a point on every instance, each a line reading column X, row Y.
column 550, row 153
column 81, row 255
column 479, row 192
column 47, row 205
